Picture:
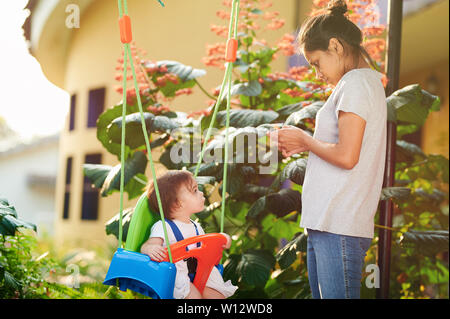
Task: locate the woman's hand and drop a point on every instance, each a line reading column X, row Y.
column 291, row 140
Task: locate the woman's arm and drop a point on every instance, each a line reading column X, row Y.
column 344, row 154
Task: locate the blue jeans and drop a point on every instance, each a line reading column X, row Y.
column 335, row 264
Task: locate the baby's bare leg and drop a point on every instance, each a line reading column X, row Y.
column 209, row 293
column 194, row 293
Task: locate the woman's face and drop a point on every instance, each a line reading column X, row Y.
column 328, row 64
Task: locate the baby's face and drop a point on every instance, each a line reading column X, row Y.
column 191, row 198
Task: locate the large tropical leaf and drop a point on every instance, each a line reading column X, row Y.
column 310, row 111
column 255, row 267
column 401, row 193
column 134, row 136
column 112, row 225
column 288, row 254
column 9, row 221
column 412, row 104
column 252, row 88
column 244, row 118
column 133, row 166
column 428, row 243
column 184, row 72
column 107, row 178
column 436, row 195
column 295, row 171
column 284, row 202
column 280, row 203
column 245, row 143
column 287, row 110
column 408, row 152
column 103, row 122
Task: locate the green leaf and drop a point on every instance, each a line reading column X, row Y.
column 407, row 152
column 250, row 193
column 252, row 88
column 184, row 72
column 412, row 104
column 244, row 142
column 295, row 171
column 257, row 11
column 107, row 178
column 310, row 111
column 96, row 173
column 288, row 254
column 401, row 193
column 103, row 123
column 284, row 202
column 244, row 118
column 235, row 180
column 287, row 110
column 229, row 271
column 112, row 225
column 435, row 196
column 257, row 207
column 9, row 224
column 255, row 267
column 11, row 282
column 134, row 136
column 428, row 243
column 280, row 204
column 132, row 166
column 264, row 56
column 9, row 220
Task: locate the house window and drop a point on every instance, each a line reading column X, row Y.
column 73, row 100
column 95, row 105
column 89, row 207
column 67, row 188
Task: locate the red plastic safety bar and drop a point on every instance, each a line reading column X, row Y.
column 125, row 29
column 230, row 54
column 207, row 255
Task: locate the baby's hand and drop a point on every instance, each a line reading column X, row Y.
column 228, row 244
column 154, row 251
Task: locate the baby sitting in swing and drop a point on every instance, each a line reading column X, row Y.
column 180, row 198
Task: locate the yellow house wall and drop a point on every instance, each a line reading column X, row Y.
column 178, row 32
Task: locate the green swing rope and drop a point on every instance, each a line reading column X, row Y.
column 226, row 81
column 127, row 53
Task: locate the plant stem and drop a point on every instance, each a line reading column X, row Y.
column 204, row 91
column 388, row 228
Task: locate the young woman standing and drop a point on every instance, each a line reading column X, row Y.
column 344, row 172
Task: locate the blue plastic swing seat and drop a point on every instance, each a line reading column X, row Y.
column 139, row 273
column 136, row 271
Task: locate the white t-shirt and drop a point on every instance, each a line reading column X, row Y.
column 182, row 281
column 338, row 200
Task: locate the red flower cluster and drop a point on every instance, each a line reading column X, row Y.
column 297, row 92
column 141, row 76
column 158, row 109
column 286, row 44
column 298, row 72
column 187, row 91
column 205, row 112
column 247, row 24
column 168, row 77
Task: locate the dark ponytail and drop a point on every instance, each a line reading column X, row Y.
column 316, row 32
